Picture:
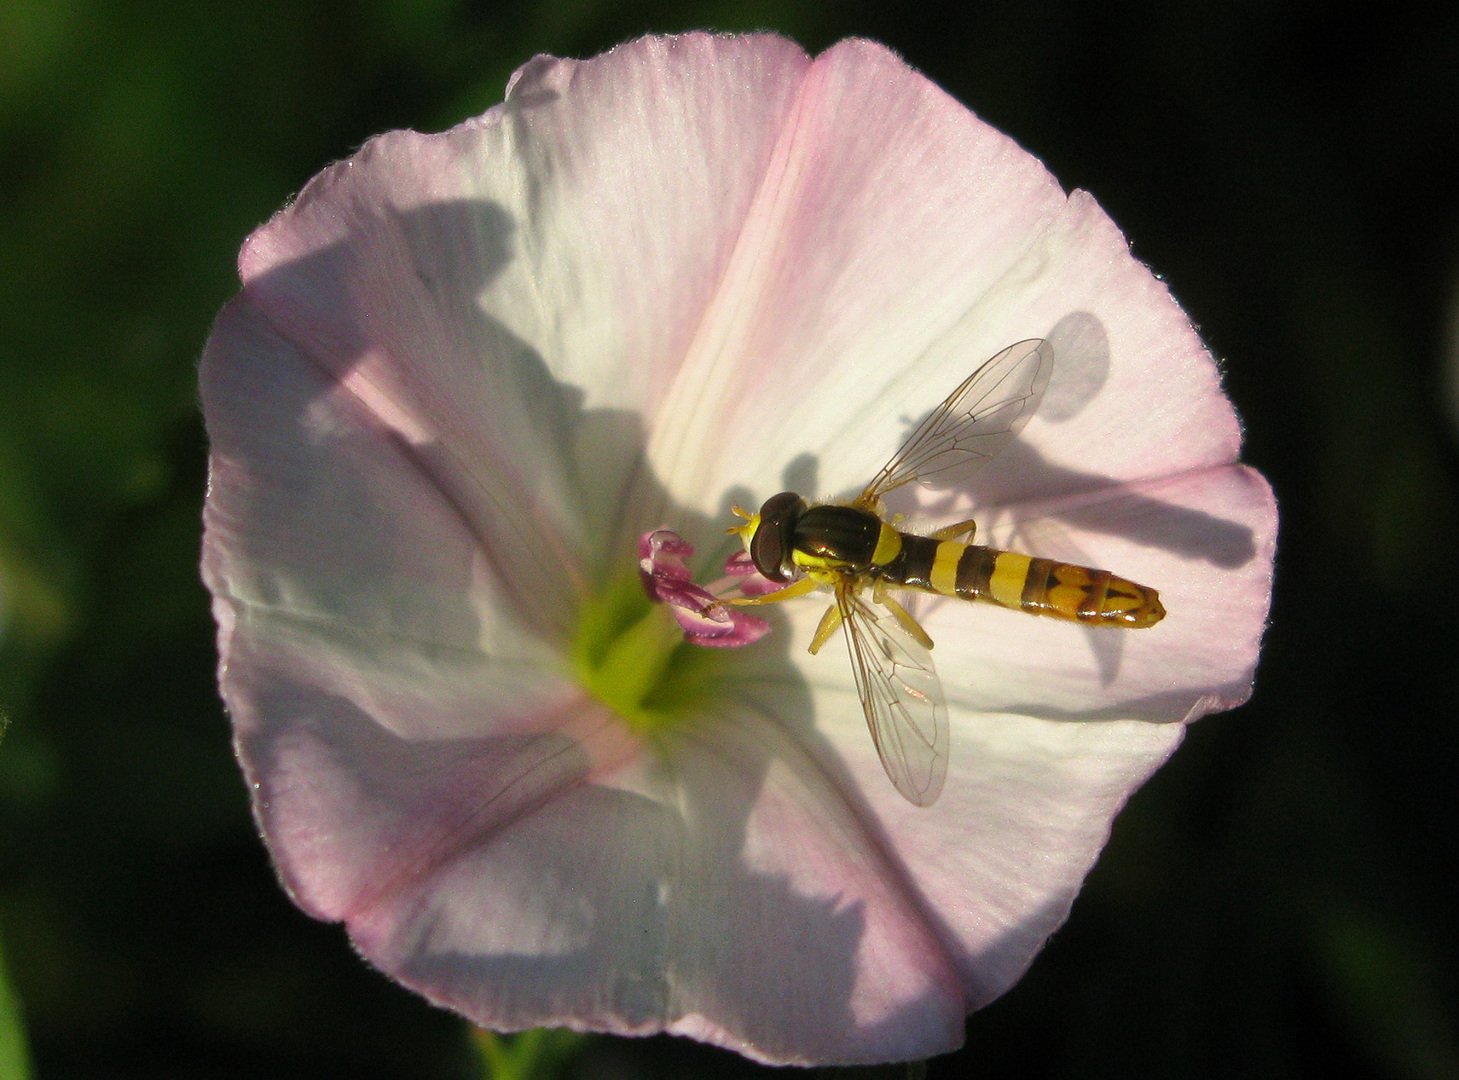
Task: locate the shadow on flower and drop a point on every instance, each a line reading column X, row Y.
column 1025, row 486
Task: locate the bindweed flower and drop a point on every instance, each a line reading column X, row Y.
column 469, row 373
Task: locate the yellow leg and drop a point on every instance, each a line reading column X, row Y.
column 803, row 587
column 953, row 532
column 829, row 624
column 882, row 596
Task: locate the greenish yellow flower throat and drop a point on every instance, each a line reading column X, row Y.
column 631, row 655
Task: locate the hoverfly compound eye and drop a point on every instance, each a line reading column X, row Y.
column 770, row 547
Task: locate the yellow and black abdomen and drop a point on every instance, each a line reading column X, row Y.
column 830, row 542
column 1038, row 586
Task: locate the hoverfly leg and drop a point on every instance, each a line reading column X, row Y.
column 881, row 595
column 956, row 532
column 790, row 592
column 829, row 624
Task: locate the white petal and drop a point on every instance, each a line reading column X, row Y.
column 1204, row 540
column 1023, row 815
column 731, row 895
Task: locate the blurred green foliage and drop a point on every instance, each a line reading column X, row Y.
column 14, row 1056
column 529, row 1055
column 1280, row 900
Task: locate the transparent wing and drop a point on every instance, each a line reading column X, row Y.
column 978, row 419
column 900, row 695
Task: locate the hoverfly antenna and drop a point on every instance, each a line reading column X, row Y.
column 747, row 530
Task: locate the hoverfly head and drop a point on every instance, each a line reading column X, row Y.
column 768, row 535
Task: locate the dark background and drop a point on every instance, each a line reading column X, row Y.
column 1279, row 901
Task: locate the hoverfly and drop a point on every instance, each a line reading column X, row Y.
column 853, row 548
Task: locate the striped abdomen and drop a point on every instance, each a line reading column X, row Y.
column 1038, row 586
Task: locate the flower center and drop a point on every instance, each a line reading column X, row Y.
column 630, row 654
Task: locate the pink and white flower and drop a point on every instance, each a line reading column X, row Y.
column 468, row 371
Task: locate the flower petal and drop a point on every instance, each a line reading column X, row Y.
column 1026, row 808
column 368, row 769
column 734, row 898
column 896, row 243
column 543, row 267
column 371, row 277
column 319, row 509
column 344, row 582
column 1204, row 540
column 859, row 253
